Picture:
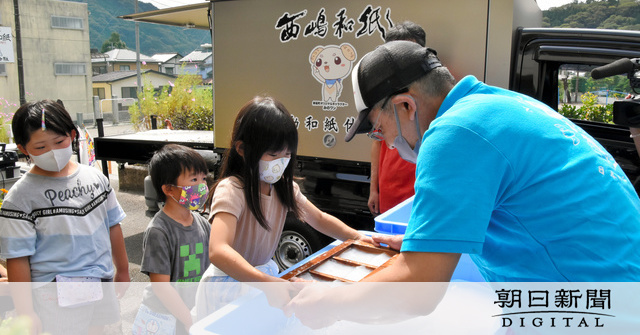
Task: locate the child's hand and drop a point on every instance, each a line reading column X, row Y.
column 122, row 282
column 393, row 241
column 365, row 238
column 187, row 324
column 300, row 280
column 312, row 306
column 278, row 293
column 36, row 324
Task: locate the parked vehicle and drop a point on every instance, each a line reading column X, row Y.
column 302, row 52
column 538, row 56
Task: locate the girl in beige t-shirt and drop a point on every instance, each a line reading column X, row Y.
column 255, row 191
column 250, row 201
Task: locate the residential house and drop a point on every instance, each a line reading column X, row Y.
column 169, row 63
column 122, row 86
column 54, row 38
column 121, row 60
column 199, row 62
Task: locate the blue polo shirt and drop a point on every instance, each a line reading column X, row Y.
column 526, row 192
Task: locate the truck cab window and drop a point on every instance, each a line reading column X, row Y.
column 584, row 98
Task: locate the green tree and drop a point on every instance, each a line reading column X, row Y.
column 113, row 42
column 610, row 14
column 589, row 18
column 590, row 110
column 617, row 22
column 183, row 103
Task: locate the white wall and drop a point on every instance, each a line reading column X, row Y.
column 9, row 81
column 157, row 80
column 42, row 47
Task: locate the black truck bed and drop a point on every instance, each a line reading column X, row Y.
column 139, row 147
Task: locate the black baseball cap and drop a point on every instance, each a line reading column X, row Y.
column 384, row 71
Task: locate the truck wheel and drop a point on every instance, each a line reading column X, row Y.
column 298, row 241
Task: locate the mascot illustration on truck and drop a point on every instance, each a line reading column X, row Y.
column 330, row 65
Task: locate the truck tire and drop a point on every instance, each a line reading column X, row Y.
column 298, row 241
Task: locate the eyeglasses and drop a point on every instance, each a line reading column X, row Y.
column 375, row 133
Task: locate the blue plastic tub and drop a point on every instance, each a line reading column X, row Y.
column 394, row 221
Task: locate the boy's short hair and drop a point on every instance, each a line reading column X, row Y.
column 168, row 163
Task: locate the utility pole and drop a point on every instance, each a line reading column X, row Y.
column 577, row 84
column 20, row 62
column 138, row 76
column 138, row 72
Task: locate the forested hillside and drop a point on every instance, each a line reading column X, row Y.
column 154, row 38
column 103, row 20
column 609, row 14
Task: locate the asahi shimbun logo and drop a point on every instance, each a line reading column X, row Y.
column 562, row 308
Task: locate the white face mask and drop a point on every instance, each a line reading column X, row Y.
column 54, row 160
column 271, row 171
column 404, row 149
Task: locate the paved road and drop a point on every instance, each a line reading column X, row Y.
column 133, row 204
column 133, row 227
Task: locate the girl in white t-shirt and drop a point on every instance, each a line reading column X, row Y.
column 255, row 191
column 60, row 223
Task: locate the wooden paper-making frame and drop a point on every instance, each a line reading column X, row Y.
column 334, row 254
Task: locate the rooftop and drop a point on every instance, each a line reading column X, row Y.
column 196, row 56
column 123, row 55
column 163, row 57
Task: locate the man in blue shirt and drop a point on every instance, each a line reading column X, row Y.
column 500, row 176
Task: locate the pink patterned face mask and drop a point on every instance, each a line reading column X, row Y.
column 192, row 197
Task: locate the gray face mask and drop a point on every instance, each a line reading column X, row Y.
column 404, row 149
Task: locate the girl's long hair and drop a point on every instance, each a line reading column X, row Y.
column 263, row 124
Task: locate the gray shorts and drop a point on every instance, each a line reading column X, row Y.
column 75, row 320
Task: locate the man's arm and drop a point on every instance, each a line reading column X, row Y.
column 418, row 267
column 318, row 306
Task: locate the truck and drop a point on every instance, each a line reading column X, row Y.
column 271, row 47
